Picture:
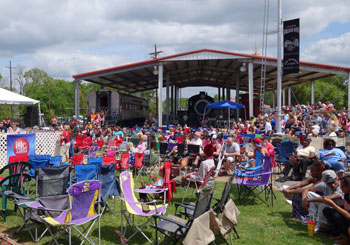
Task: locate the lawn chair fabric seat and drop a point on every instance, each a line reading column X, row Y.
column 175, row 228
column 109, row 184
column 82, row 197
column 19, row 158
column 107, row 160
column 95, row 161
column 38, row 161
column 248, row 185
column 85, row 172
column 52, row 181
column 134, row 207
column 55, row 161
column 77, row 159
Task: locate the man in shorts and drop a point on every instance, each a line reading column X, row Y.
column 229, row 151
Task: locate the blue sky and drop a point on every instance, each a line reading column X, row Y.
column 68, row 37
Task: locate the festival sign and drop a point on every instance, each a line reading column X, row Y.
column 291, row 44
column 20, row 144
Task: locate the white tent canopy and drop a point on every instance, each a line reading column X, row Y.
column 10, row 98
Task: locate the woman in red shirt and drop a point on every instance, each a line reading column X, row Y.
column 65, row 143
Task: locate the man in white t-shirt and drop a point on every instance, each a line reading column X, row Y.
column 197, row 141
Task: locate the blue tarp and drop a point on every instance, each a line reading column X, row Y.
column 225, row 104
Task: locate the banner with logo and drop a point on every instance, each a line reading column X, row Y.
column 291, row 44
column 20, row 144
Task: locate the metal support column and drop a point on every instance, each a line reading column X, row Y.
column 279, row 67
column 312, row 92
column 167, row 97
column 172, row 99
column 273, row 99
column 219, row 93
column 283, row 97
column 251, row 88
column 76, row 98
column 223, row 93
column 176, row 100
column 289, row 96
column 228, row 89
column 160, row 94
column 237, row 92
column 349, row 95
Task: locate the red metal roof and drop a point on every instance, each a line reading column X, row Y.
column 324, row 66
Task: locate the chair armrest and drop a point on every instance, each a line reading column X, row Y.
column 126, row 200
column 157, row 216
column 151, row 191
column 242, row 163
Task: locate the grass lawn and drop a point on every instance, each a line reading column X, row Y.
column 257, row 224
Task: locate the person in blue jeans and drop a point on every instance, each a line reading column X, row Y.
column 333, row 157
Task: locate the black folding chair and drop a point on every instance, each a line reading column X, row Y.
column 51, row 189
column 172, row 228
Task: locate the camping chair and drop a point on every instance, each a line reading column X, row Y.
column 81, row 211
column 55, row 161
column 16, row 168
column 179, row 139
column 284, row 151
column 85, row 172
column 77, row 159
column 51, row 189
column 242, row 168
column 134, row 207
column 19, row 158
column 109, row 184
column 163, row 191
column 124, row 161
column 96, row 161
column 12, row 187
column 38, row 161
column 255, row 183
column 138, row 166
column 111, row 148
column 79, row 143
column 198, row 184
column 107, row 160
column 174, row 228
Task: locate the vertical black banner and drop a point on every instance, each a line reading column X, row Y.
column 291, row 44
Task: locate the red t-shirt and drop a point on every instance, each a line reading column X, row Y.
column 67, row 136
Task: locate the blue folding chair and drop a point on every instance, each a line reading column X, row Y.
column 284, row 151
column 110, row 185
column 96, row 161
column 55, row 161
column 85, row 172
column 38, row 161
column 259, row 159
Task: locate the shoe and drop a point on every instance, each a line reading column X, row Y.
column 289, row 202
column 305, row 219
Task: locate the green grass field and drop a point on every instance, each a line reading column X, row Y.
column 257, row 224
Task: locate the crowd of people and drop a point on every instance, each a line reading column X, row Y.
column 323, row 196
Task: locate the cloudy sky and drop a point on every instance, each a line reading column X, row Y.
column 66, row 37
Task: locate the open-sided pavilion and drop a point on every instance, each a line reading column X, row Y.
column 205, row 67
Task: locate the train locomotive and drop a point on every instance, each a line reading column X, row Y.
column 193, row 116
column 122, row 109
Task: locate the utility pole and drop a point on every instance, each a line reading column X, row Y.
column 154, row 55
column 11, row 67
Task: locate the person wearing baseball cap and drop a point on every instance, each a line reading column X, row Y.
column 315, row 203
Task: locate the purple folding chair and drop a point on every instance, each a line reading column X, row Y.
column 256, row 183
column 134, row 207
column 81, row 211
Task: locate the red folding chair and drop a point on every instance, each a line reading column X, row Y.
column 107, row 160
column 179, row 139
column 77, row 159
column 99, row 143
column 124, row 161
column 87, row 141
column 19, row 158
column 138, row 163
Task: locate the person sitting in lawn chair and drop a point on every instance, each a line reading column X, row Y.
column 205, row 166
column 229, row 151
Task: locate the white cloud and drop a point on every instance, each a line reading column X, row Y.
column 336, row 50
column 61, row 36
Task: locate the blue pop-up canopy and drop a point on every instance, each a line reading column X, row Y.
column 224, row 104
